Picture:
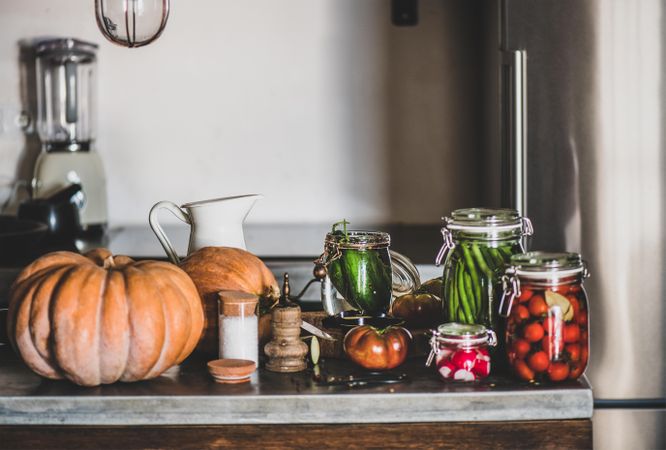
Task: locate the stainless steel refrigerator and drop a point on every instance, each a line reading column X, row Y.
column 582, row 133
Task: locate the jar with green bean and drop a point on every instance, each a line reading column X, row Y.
column 478, row 243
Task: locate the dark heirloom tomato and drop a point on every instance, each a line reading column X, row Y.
column 418, row 310
column 377, row 349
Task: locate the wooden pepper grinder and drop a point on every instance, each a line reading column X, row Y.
column 286, row 351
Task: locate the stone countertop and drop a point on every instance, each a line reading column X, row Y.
column 187, row 395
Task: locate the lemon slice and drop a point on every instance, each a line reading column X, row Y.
column 559, row 300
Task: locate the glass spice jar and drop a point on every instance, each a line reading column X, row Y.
column 547, row 337
column 238, row 326
column 478, row 243
column 461, row 351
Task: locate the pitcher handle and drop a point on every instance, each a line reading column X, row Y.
column 406, row 278
column 159, row 232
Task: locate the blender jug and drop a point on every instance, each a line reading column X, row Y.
column 65, row 123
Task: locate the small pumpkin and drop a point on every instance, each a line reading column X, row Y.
column 377, row 349
column 214, row 269
column 97, row 319
column 418, row 310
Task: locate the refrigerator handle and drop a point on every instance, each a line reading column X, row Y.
column 514, row 130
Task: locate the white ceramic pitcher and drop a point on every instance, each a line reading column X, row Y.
column 217, row 222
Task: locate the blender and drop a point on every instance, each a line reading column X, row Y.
column 65, row 124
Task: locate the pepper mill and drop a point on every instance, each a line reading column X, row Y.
column 286, row 352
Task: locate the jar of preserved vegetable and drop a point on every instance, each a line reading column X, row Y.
column 478, row 243
column 461, row 351
column 546, row 336
column 364, row 271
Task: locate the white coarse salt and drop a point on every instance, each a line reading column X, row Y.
column 239, row 337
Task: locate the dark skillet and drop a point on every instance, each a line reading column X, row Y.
column 19, row 238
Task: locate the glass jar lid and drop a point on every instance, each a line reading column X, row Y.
column 464, row 334
column 358, row 239
column 484, row 219
column 546, row 264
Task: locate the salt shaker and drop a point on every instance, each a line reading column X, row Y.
column 238, row 326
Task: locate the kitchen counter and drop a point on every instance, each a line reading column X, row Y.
column 187, row 395
column 185, row 408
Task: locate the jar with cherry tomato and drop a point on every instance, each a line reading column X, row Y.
column 546, row 307
column 461, row 351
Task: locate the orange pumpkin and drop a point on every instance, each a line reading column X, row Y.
column 214, row 269
column 97, row 319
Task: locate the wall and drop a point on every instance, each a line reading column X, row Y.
column 323, row 106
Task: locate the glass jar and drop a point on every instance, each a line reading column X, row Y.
column 238, row 326
column 461, row 351
column 478, row 243
column 547, row 327
column 359, row 266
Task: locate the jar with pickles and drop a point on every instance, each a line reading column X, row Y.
column 546, row 306
column 478, row 243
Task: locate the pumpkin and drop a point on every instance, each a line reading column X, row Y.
column 214, row 269
column 418, row 310
column 97, row 319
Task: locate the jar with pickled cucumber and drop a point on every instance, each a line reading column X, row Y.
column 478, row 243
column 546, row 336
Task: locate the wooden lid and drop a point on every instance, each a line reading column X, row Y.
column 231, row 370
column 237, row 303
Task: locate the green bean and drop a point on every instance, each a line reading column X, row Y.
column 498, row 261
column 461, row 293
column 469, row 262
column 478, row 256
column 506, row 251
column 452, row 298
column 470, row 296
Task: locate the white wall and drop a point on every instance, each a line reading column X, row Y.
column 321, row 105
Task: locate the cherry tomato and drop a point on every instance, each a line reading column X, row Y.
column 558, row 371
column 576, row 371
column 520, row 313
column 584, row 353
column 582, row 318
column 553, row 325
column 552, row 346
column 574, row 289
column 574, row 351
column 563, row 289
column 522, row 370
column 521, row 347
column 525, row 295
column 583, row 335
column 533, row 332
column 538, row 306
column 571, row 333
column 539, row 361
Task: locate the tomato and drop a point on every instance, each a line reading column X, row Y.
column 574, row 351
column 533, row 332
column 576, row 371
column 574, row 288
column 418, row 310
column 563, row 289
column 584, row 353
column 582, row 319
column 539, row 361
column 520, row 313
column 552, row 346
column 525, row 295
column 538, row 306
column 571, row 333
column 377, row 349
column 583, row 335
column 522, row 370
column 558, row 371
column 521, row 347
